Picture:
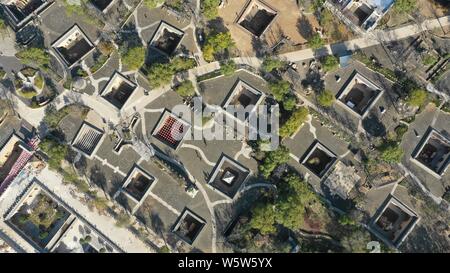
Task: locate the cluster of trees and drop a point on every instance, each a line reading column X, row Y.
column 185, row 89
column 160, row 74
column 270, row 64
column 273, row 159
column 209, row 8
column 297, row 118
column 36, row 56
column 316, row 42
column 56, row 152
column 417, row 97
column 288, row 208
column 134, row 58
column 330, row 63
column 281, row 90
column 391, row 152
column 325, row 98
column 217, row 43
column 227, row 68
column 405, row 6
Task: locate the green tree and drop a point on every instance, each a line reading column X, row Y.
column 56, row 152
column 34, row 55
column 269, row 64
column 297, row 118
column 416, row 97
column 316, row 42
column 330, row 63
column 289, row 102
column 356, row 241
column 151, row 4
column 273, row 159
column 217, row 43
column 391, row 153
column 228, row 68
column 405, row 6
column 162, row 73
column 134, row 58
column 185, row 89
column 325, row 98
column 263, row 219
column 280, row 89
column 209, row 8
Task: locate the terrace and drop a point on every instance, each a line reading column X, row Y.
column 359, row 94
column 166, row 38
column 189, row 226
column 319, row 159
column 393, row 222
column 118, row 90
column 244, row 95
column 39, row 218
column 434, row 152
column 364, row 14
column 171, row 130
column 138, row 184
column 21, row 11
column 257, row 17
column 73, row 46
column 228, row 176
column 81, row 237
column 87, row 139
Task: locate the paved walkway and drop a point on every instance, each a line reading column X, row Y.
column 106, row 224
column 370, row 39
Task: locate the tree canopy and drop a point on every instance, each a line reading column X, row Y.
column 34, row 55
column 269, row 64
column 273, row 159
column 185, row 89
column 325, row 98
column 330, row 63
column 217, row 43
column 209, row 8
column 297, row 118
column 405, row 6
column 316, row 42
column 391, row 153
column 134, row 57
column 417, row 97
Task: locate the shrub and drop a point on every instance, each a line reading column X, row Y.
column 297, row 118
column 391, row 153
column 405, row 6
column 280, row 89
column 330, row 63
column 269, row 64
column 416, row 97
column 209, row 8
column 134, row 58
column 273, row 159
column 217, row 43
column 34, row 55
column 185, row 89
column 228, row 68
column 289, row 102
column 316, row 42
column 325, row 98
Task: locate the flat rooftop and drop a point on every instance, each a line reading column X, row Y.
column 319, row 159
column 256, row 17
column 171, row 130
column 433, row 152
column 22, row 10
column 118, row 90
column 228, row 176
column 88, row 139
column 10, row 153
column 188, row 226
column 167, row 38
column 393, row 222
column 359, row 94
column 73, row 46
